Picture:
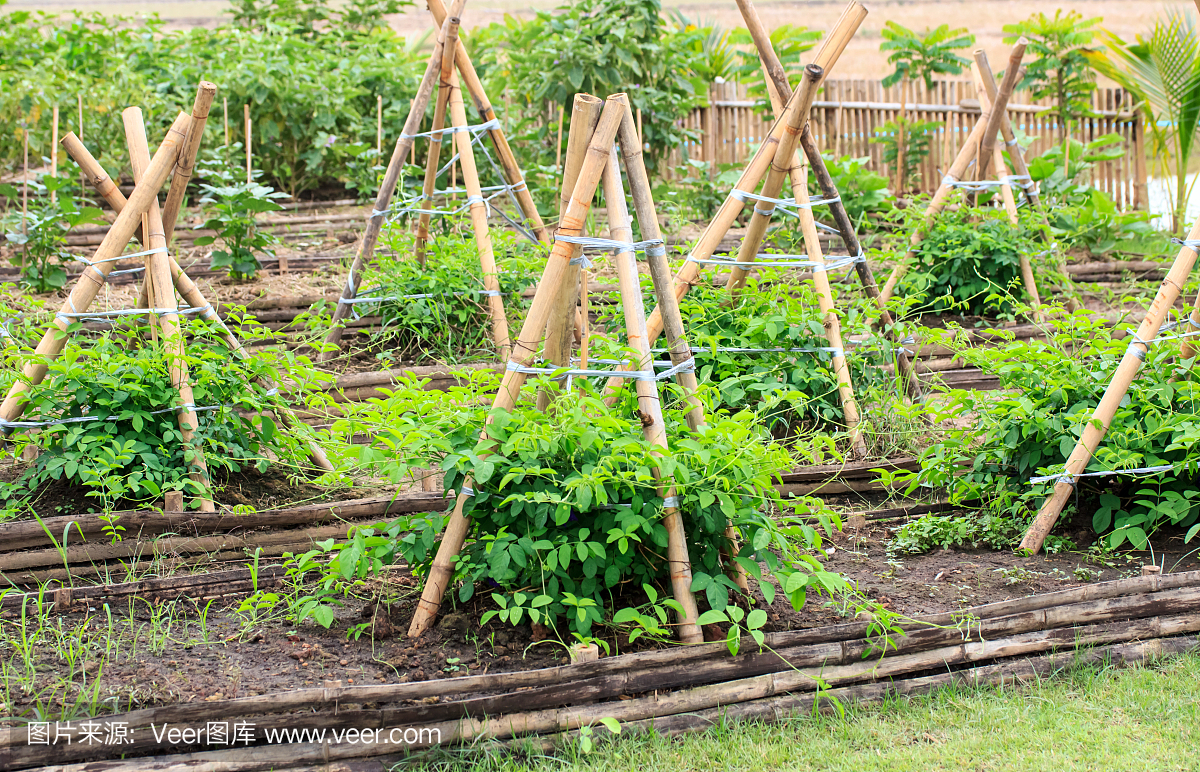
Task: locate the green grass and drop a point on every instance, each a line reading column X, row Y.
column 1092, row 718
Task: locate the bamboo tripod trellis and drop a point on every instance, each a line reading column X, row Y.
column 141, row 215
column 616, row 122
column 1101, row 418
column 514, row 181
column 992, row 118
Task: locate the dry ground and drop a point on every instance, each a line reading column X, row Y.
column 862, row 59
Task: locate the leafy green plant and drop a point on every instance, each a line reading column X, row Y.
column 919, row 56
column 917, row 136
column 1061, row 70
column 1163, row 74
column 969, row 262
column 789, row 43
column 40, row 237
column 119, row 436
column 1050, row 389
column 864, row 192
column 235, row 209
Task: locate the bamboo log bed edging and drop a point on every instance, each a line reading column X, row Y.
column 1027, row 631
column 286, row 758
column 1093, row 602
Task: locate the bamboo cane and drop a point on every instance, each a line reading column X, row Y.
column 412, row 124
column 93, row 277
column 999, row 107
column 158, row 277
column 797, row 118
column 630, row 143
column 1015, row 154
column 504, row 153
column 205, row 94
column 187, row 288
column 585, row 112
column 435, row 143
column 54, row 151
column 654, row 429
column 249, row 141
column 1096, row 427
column 833, row 327
column 479, row 222
column 24, row 194
column 1006, row 192
column 524, row 349
column 562, row 111
column 378, row 125
column 225, row 109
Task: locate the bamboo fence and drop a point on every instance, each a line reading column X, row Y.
column 849, row 113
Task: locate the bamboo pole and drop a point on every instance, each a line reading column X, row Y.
column 630, row 143
column 187, row 288
column 479, row 222
column 162, row 296
column 999, row 107
column 433, row 157
column 24, row 194
column 654, row 428
column 92, row 279
column 378, row 125
column 798, row 172
column 1015, row 154
column 1096, row 427
column 54, row 151
column 562, row 111
column 504, row 153
column 1006, row 192
column 585, row 112
column 524, row 349
column 205, row 94
column 412, row 125
column 796, row 119
column 249, row 140
column 225, row 108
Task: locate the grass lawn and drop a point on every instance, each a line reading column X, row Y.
column 1092, row 718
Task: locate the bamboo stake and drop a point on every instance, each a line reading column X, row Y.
column 479, row 222
column 630, row 143
column 1096, row 427
column 504, row 153
column 158, row 277
column 999, row 107
column 585, row 112
column 1006, row 194
column 225, row 107
column 797, row 118
column 433, row 157
column 205, row 94
column 524, row 350
column 54, row 151
column 833, row 328
column 249, row 139
column 24, row 194
column 85, row 290
column 562, row 111
column 378, row 125
column 412, row 125
column 654, row 429
column 82, row 182
column 187, row 288
column 1015, row 154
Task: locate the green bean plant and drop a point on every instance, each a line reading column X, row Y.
column 234, row 208
column 1049, row 390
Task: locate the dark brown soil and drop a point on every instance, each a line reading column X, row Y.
column 227, row 656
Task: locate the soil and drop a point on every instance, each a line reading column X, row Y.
column 220, row 655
